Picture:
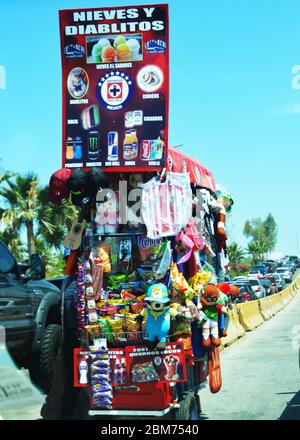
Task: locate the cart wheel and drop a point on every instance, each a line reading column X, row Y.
column 189, row 408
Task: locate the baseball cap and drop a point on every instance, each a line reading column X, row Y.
column 78, row 184
column 158, row 293
column 58, row 186
column 96, row 179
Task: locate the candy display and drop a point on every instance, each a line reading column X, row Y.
column 80, row 294
column 101, row 389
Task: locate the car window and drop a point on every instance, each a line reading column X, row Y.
column 254, row 282
column 7, row 261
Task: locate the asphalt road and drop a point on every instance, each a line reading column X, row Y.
column 261, row 376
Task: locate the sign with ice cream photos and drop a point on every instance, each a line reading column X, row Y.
column 115, row 87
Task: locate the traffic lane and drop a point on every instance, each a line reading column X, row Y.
column 260, row 372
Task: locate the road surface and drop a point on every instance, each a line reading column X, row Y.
column 261, row 377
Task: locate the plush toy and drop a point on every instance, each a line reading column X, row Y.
column 211, row 305
column 199, row 281
column 224, row 296
column 158, row 316
column 220, row 207
column 180, row 288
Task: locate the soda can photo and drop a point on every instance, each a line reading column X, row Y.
column 145, row 149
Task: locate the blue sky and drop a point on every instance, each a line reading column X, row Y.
column 232, row 104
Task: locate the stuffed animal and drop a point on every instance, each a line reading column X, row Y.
column 158, row 316
column 211, row 304
column 220, row 207
column 224, row 320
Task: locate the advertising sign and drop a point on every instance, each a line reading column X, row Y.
column 136, row 364
column 159, row 365
column 115, row 78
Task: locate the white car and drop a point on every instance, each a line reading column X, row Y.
column 255, row 274
column 241, row 278
column 258, row 290
column 285, row 273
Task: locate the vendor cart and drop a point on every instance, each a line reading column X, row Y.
column 143, row 395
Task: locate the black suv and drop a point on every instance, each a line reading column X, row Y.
column 30, row 312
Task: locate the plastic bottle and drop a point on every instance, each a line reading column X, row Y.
column 123, row 372
column 134, row 147
column 117, row 372
column 70, row 148
column 78, row 148
column 127, row 145
column 83, row 372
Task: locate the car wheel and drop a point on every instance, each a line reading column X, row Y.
column 51, row 342
column 189, row 408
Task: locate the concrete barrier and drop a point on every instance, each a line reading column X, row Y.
column 249, row 315
column 266, row 308
column 286, row 295
column 297, row 282
column 236, row 320
column 232, row 333
column 276, row 303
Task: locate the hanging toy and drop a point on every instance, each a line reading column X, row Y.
column 211, row 305
column 220, row 207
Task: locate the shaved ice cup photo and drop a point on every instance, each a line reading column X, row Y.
column 114, row 48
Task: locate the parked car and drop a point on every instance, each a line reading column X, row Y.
column 273, row 281
column 258, row 290
column 58, row 281
column 271, row 265
column 295, row 259
column 30, row 313
column 266, row 283
column 280, row 282
column 246, row 292
column 256, row 273
column 291, row 266
column 286, row 274
column 240, row 279
column 261, row 267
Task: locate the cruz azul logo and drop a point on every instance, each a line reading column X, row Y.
column 114, row 90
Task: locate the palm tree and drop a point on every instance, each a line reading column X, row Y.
column 235, row 253
column 20, row 197
column 53, row 220
column 256, row 250
column 26, row 205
